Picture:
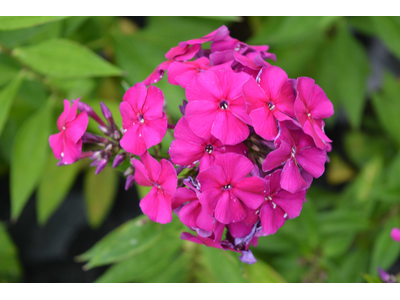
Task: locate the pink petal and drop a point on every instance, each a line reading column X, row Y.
column 255, row 96
column 291, row 179
column 71, row 151
column 184, row 153
column 129, row 118
column 153, row 131
column 227, row 43
column 395, row 234
column 168, row 179
column 212, row 178
column 277, row 157
column 305, row 89
column 183, row 132
column 153, row 106
column 228, row 128
column 320, row 106
column 77, row 127
column 222, row 57
column 312, row 160
column 229, row 209
column 136, row 96
column 132, row 140
column 235, row 166
column 271, row 218
column 239, row 230
column 157, row 206
column 207, row 160
column 204, row 221
column 189, row 213
column 186, row 78
column 274, row 180
column 153, row 167
column 231, row 83
column 290, row 203
column 158, row 73
column 181, row 196
column 285, row 101
column 72, row 112
column 238, row 109
column 272, row 79
column 264, row 123
column 56, row 142
column 141, row 173
column 61, row 118
column 209, row 200
column 250, row 191
column 204, row 87
column 179, row 68
column 201, row 116
column 216, row 35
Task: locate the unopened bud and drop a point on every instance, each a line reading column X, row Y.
column 119, row 159
column 102, row 164
column 82, row 106
column 183, row 107
column 129, row 171
column 129, row 182
column 107, row 114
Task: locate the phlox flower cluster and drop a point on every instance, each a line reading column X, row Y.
column 246, row 149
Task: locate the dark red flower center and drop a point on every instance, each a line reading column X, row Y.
column 271, row 105
column 223, row 104
column 209, row 149
column 227, row 187
column 141, row 118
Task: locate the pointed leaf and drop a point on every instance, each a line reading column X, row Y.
column 261, row 272
column 54, row 187
column 10, row 267
column 11, row 22
column 7, row 95
column 64, row 59
column 100, row 192
column 28, row 158
column 388, row 29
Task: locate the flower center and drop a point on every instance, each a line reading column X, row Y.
column 227, row 187
column 209, row 149
column 293, row 151
column 64, row 128
column 271, row 105
column 223, row 104
column 140, row 117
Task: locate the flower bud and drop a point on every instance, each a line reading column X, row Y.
column 129, row 182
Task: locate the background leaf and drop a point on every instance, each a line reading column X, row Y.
column 64, row 59
column 7, row 95
column 10, row 268
column 388, row 29
column 54, row 187
column 29, row 158
column 99, row 193
column 10, row 23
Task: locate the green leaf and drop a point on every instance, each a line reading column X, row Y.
column 291, row 29
column 388, row 29
column 385, row 250
column 7, row 95
column 337, row 244
column 371, row 279
column 261, row 272
column 10, row 23
column 223, row 18
column 129, row 239
column 9, row 69
column 64, row 59
column 145, row 266
column 352, row 70
column 222, row 266
column 386, row 105
column 10, row 268
column 100, row 192
column 54, row 187
column 29, row 155
column 341, row 221
column 363, row 24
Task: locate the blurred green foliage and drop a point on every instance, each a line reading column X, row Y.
column 342, row 234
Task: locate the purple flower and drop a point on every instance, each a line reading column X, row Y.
column 143, row 119
column 225, row 188
column 67, row 144
column 161, row 176
column 395, row 234
column 216, row 106
column 295, row 150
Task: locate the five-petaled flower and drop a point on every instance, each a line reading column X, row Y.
column 161, row 176
column 143, row 119
column 67, row 144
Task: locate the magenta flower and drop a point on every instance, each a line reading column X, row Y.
column 295, row 149
column 225, row 188
column 395, row 234
column 278, row 204
column 192, row 214
column 270, row 100
column 216, row 105
column 188, row 148
column 143, row 119
column 216, row 35
column 311, row 106
column 161, row 176
column 67, row 144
